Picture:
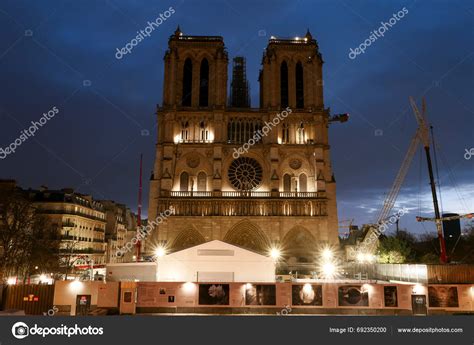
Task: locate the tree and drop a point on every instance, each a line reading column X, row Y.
column 396, row 249
column 27, row 238
column 427, row 249
column 68, row 256
column 43, row 248
column 460, row 251
column 463, row 250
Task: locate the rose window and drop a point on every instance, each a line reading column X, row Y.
column 245, row 173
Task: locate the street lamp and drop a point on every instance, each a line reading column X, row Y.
column 275, row 253
column 327, row 254
column 160, row 251
column 328, row 270
column 328, row 263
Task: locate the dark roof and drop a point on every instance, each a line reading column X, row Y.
column 64, row 195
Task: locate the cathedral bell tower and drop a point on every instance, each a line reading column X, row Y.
column 291, row 74
column 258, row 178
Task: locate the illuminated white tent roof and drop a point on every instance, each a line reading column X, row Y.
column 216, row 261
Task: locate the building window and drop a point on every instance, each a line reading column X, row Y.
column 241, row 130
column 300, row 137
column 245, row 174
column 202, row 182
column 284, row 84
column 204, row 84
column 187, row 83
column 287, row 183
column 184, row 182
column 285, row 134
column 303, row 183
column 299, row 86
column 185, row 131
column 203, row 131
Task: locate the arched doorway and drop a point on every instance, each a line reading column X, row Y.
column 299, row 246
column 187, row 238
column 248, row 236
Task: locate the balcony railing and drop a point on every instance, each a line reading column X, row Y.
column 80, row 251
column 71, row 212
column 243, row 194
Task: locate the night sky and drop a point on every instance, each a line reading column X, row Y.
column 62, row 54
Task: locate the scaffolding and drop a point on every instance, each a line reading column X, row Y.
column 239, row 91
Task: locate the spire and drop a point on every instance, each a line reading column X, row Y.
column 178, row 32
column 308, row 35
column 239, row 92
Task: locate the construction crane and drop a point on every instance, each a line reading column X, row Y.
column 139, row 213
column 443, row 219
column 397, row 183
column 370, row 242
column 348, row 227
column 425, row 138
column 461, row 216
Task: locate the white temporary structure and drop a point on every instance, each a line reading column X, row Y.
column 131, row 271
column 215, row 261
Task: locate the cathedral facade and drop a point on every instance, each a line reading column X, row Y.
column 223, row 171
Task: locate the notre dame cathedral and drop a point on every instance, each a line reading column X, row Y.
column 282, row 191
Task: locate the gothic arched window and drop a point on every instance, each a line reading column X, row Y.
column 203, row 131
column 299, row 86
column 241, row 130
column 229, row 132
column 185, row 135
column 285, row 133
column 300, row 133
column 204, row 84
column 202, row 182
column 187, row 83
column 284, row 84
column 184, row 182
column 303, row 183
column 287, row 183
